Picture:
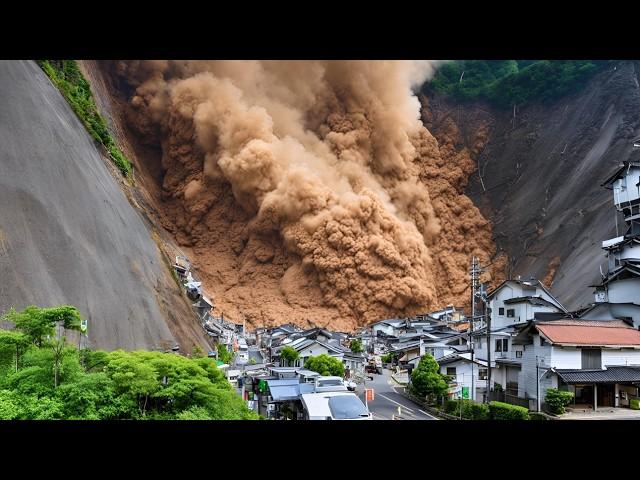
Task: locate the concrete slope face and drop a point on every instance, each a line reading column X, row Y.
column 68, row 235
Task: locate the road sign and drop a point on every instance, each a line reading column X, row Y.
column 369, row 394
column 465, row 392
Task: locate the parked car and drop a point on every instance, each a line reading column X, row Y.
column 329, row 384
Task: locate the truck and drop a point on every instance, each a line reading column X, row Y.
column 374, row 365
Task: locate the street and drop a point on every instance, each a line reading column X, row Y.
column 387, row 400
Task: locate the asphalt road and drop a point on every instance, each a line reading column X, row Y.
column 387, row 400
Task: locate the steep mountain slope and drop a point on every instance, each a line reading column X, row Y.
column 541, row 170
column 68, row 233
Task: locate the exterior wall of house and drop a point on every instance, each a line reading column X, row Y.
column 624, row 291
column 620, row 357
column 527, row 380
column 566, row 357
column 311, row 351
column 463, row 376
column 523, row 311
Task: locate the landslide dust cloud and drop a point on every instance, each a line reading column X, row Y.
column 310, row 191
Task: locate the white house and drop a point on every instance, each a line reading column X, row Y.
column 597, row 360
column 517, row 301
column 466, row 375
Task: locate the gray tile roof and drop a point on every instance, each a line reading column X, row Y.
column 610, row 375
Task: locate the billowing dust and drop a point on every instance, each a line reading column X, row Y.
column 310, row 191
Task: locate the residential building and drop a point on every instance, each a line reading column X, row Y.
column 597, row 360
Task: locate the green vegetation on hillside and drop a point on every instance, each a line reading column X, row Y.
column 66, row 75
column 513, row 82
column 43, row 377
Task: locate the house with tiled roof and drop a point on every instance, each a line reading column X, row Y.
column 599, row 361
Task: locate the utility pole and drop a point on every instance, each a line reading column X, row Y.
column 475, row 273
column 488, row 323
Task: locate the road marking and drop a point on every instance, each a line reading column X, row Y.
column 393, row 401
column 422, row 411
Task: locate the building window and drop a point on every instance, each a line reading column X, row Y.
column 482, row 374
column 591, row 358
column 511, row 312
column 501, row 311
column 451, row 371
column 502, row 345
column 519, row 354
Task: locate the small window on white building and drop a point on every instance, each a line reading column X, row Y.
column 511, row 312
column 482, row 374
column 518, row 353
column 451, row 371
column 502, row 345
column 501, row 311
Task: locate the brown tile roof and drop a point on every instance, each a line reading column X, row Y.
column 590, row 332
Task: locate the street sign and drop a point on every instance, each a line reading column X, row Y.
column 369, row 394
column 465, row 392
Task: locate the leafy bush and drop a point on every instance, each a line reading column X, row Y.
column 557, row 400
column 389, row 357
column 66, row 75
column 470, row 409
column 537, row 416
column 356, row 345
column 506, row 411
column 479, row 411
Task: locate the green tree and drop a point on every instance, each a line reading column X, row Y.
column 197, row 352
column 39, row 323
column 133, row 377
column 426, row 379
column 356, row 345
column 225, row 355
column 12, row 346
column 289, row 355
column 325, row 365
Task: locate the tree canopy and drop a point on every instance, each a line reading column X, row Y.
column 325, row 365
column 508, row 82
column 426, row 379
column 289, row 355
column 49, row 379
column 356, row 345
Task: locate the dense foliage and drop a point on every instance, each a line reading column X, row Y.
column 510, row 82
column 470, row 409
column 557, row 400
column 325, row 365
column 426, row 379
column 389, row 357
column 224, row 355
column 356, row 345
column 66, row 75
column 506, row 411
column 42, row 377
column 289, row 355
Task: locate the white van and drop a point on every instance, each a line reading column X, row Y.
column 334, row 406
